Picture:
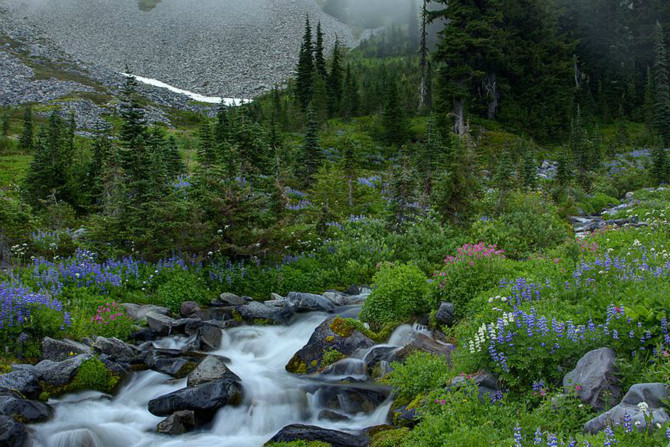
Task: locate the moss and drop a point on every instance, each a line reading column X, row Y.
column 298, row 444
column 314, row 363
column 296, row 365
column 342, row 327
column 92, row 375
column 186, row 370
column 330, row 338
column 331, row 356
column 263, row 322
column 389, row 438
column 237, row 317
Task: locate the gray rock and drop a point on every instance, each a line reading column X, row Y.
column 309, row 302
column 299, row 432
column 349, row 398
column 423, row 343
column 117, row 350
column 177, row 423
column 203, row 399
column 188, row 308
column 487, row 384
column 445, row 314
column 337, row 298
column 334, row 416
column 595, row 375
column 310, row 357
column 12, row 434
column 27, row 411
column 58, row 350
column 160, row 324
column 260, row 311
column 24, row 381
column 209, row 337
column 653, row 394
column 347, row 368
column 211, row 369
column 139, row 312
column 172, row 365
column 61, row 373
column 230, row 299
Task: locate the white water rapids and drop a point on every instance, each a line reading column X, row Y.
column 273, row 399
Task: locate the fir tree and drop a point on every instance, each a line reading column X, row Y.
column 206, row 146
column 222, row 126
column 423, row 58
column 305, row 70
column 26, row 141
column 134, row 126
column 649, row 100
column 504, row 176
column 349, row 164
column 529, row 169
column 351, row 101
column 394, row 120
column 319, row 58
column 335, row 81
column 101, row 148
column 564, row 172
column 48, row 173
column 312, row 154
column 430, row 155
column 402, row 188
column 660, row 167
column 173, row 161
column 662, row 88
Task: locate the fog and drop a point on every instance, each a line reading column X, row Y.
column 370, row 13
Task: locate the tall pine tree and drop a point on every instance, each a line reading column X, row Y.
column 26, row 141
column 662, row 88
column 305, row 70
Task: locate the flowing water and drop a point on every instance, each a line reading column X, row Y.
column 273, row 397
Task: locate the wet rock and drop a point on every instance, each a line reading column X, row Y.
column 211, row 369
column 445, row 314
column 349, row 369
column 139, row 312
column 12, row 433
column 58, row 350
column 405, row 417
column 349, row 398
column 423, row 343
column 332, row 334
column 26, row 411
column 299, row 432
column 309, row 302
column 653, row 394
column 117, row 350
column 177, row 423
column 329, row 415
column 189, row 308
column 167, row 363
column 594, row 379
column 161, row 324
column 61, row 373
column 24, row 381
column 259, row 311
column 209, row 338
column 379, row 354
column 203, row 399
column 229, row 299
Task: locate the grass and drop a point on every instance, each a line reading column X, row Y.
column 13, row 169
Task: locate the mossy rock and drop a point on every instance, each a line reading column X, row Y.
column 389, row 438
column 92, row 375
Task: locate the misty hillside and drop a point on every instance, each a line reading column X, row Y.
column 233, row 48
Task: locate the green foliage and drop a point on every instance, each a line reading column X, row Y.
column 528, row 225
column 181, row 286
column 389, row 438
column 94, row 375
column 399, row 291
column 299, row 444
column 421, row 372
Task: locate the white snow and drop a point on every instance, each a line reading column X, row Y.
column 194, row 96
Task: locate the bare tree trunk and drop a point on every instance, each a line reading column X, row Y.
column 351, row 192
column 491, row 87
column 459, row 115
column 578, row 74
column 423, row 61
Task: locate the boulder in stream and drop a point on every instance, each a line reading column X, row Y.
column 177, row 423
column 59, row 350
column 299, row 432
column 254, row 311
column 12, row 433
column 27, row 411
column 24, row 380
column 211, row 369
column 334, row 334
column 309, row 302
column 203, row 399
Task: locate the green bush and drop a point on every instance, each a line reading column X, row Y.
column 389, row 438
column 420, row 373
column 399, row 292
column 182, row 286
column 527, row 225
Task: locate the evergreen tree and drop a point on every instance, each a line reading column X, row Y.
column 394, row 119
column 305, row 70
column 564, row 169
column 321, row 100
column 312, row 154
column 649, row 100
column 349, row 165
column 351, row 101
column 660, row 168
column 5, row 124
column 336, row 81
column 430, row 156
column 173, row 161
column 206, row 147
column 423, row 58
column 662, row 88
column 134, row 126
column 49, row 170
column 222, row 126
column 319, row 58
column 26, row 141
column 402, row 190
column 101, row 149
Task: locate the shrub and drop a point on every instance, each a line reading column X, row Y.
column 389, row 438
column 474, row 269
column 420, row 373
column 399, row 292
column 528, row 225
column 182, row 286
